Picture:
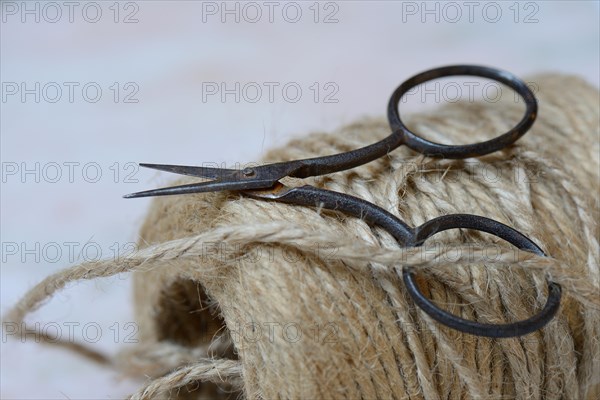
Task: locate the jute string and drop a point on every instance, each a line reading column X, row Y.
column 239, row 296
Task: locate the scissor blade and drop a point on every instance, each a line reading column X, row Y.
column 201, row 172
column 201, row 187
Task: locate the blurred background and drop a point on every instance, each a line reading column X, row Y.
column 89, row 89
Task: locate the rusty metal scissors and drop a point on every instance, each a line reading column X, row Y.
column 262, row 182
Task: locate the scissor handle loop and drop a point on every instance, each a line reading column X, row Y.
column 429, row 148
column 504, row 232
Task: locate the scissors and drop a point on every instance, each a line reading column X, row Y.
column 262, row 182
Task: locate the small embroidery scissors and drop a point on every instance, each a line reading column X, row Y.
column 262, row 182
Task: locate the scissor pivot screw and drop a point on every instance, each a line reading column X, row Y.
column 248, row 172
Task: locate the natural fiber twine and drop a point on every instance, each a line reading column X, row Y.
column 240, row 296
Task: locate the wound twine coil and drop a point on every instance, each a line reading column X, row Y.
column 236, row 296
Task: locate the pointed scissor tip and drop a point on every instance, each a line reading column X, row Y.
column 135, row 195
column 147, row 193
column 150, row 193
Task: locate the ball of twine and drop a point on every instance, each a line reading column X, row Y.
column 241, row 296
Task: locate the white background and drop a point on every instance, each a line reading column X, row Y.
column 174, row 50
